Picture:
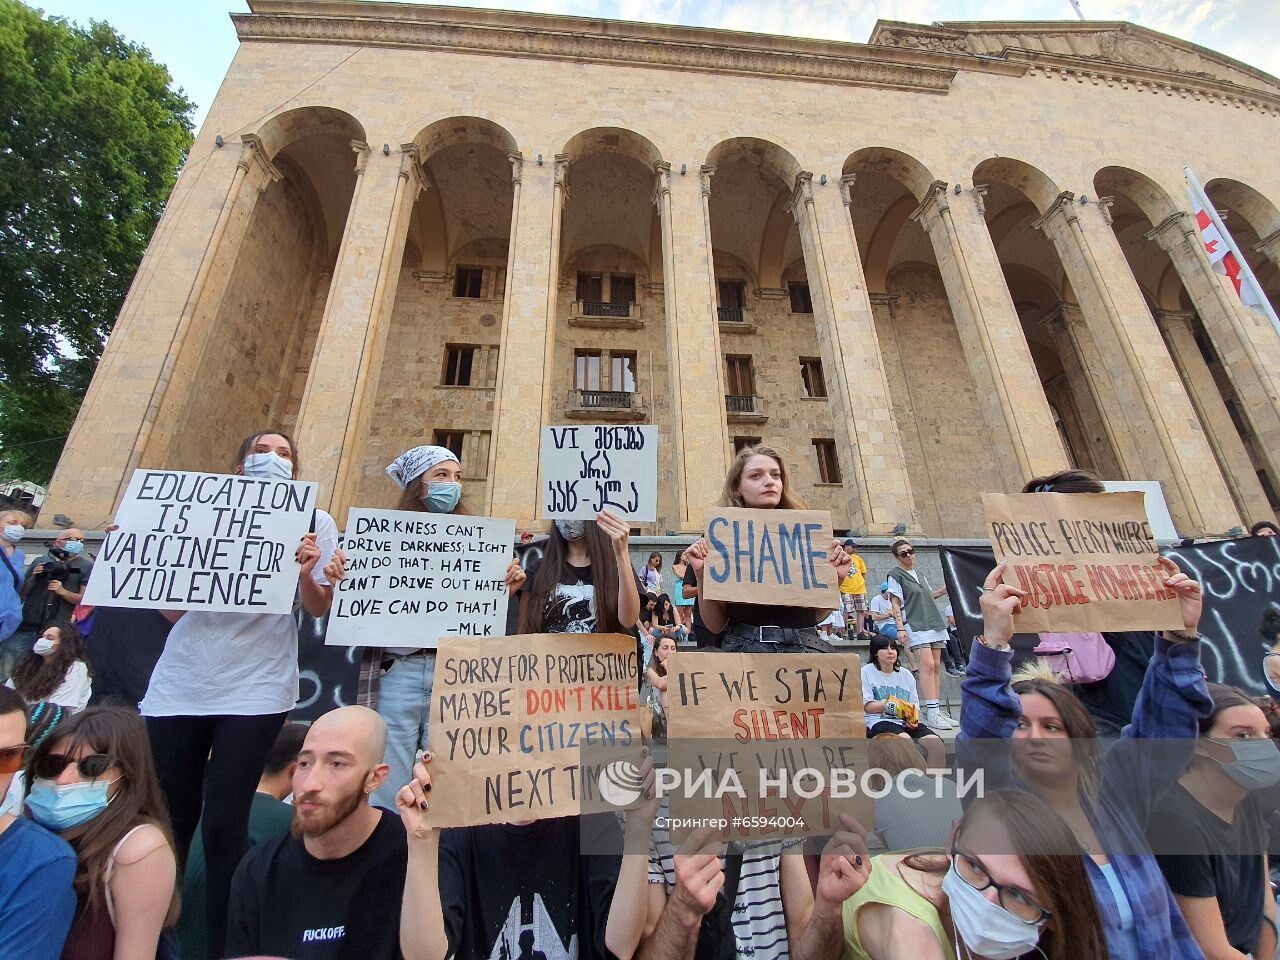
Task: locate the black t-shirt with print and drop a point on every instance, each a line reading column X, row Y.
column 532, row 892
column 287, row 903
column 571, row 607
column 760, row 614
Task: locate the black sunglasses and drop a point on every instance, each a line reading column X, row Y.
column 51, row 765
column 906, row 553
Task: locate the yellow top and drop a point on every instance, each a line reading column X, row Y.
column 856, row 581
column 886, row 886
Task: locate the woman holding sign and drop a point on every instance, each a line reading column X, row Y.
column 430, row 480
column 222, row 688
column 584, row 582
column 757, row 479
column 1035, row 731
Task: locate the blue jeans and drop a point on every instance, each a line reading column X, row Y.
column 888, row 629
column 404, row 701
column 15, row 648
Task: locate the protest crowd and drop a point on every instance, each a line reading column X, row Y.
column 182, row 814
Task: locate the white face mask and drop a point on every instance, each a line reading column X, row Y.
column 268, row 466
column 987, row 929
column 44, row 646
column 13, row 532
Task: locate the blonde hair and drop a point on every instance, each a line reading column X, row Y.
column 893, row 754
column 17, row 516
column 730, row 495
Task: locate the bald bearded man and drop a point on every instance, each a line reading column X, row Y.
column 331, row 888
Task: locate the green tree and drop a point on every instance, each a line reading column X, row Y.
column 92, row 134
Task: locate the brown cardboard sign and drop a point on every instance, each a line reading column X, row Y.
column 776, row 557
column 1087, row 561
column 510, row 721
column 778, row 741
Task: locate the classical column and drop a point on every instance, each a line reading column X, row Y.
column 333, row 422
column 1228, row 448
column 1269, row 247
column 1245, row 341
column 695, row 369
column 877, row 488
column 1170, row 444
column 1025, row 442
column 522, row 395
column 158, row 353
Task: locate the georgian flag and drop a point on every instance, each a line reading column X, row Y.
column 1218, row 248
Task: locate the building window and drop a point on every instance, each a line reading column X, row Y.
column 459, row 365
column 739, row 377
column 828, row 466
column 586, row 369
column 590, row 287
column 733, row 294
column 622, row 288
column 801, row 302
column 450, row 439
column 467, row 282
column 622, row 372
column 741, row 443
column 812, row 382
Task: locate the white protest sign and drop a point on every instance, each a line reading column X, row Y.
column 592, row 468
column 1157, row 509
column 204, row 541
column 415, row 578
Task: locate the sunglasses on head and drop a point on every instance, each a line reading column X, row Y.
column 11, row 758
column 51, row 765
column 906, row 553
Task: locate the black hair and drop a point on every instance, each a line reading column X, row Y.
column 881, row 642
column 1224, row 698
column 10, row 702
column 286, row 748
column 1264, row 525
column 44, row 720
column 1065, row 481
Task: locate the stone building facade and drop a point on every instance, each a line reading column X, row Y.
column 923, row 267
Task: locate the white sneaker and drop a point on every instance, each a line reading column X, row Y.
column 939, row 721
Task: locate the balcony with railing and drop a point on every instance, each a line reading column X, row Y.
column 605, row 316
column 605, row 405
column 745, row 408
column 735, row 320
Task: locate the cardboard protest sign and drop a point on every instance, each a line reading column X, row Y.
column 204, row 541
column 510, row 721
column 414, row 578
column 776, row 729
column 592, row 468
column 1086, row 560
column 774, row 557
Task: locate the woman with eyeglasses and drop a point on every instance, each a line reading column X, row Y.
column 1035, row 734
column 94, row 783
column 36, row 867
column 757, row 478
column 1003, row 889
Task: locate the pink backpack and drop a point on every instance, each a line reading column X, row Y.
column 1077, row 657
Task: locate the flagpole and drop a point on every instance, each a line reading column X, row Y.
column 1246, row 272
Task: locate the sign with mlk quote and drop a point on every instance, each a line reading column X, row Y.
column 204, row 541
column 586, row 470
column 413, row 578
column 1087, row 561
column 777, row 557
column 510, row 722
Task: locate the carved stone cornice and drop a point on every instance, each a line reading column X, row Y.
column 980, row 197
column 254, row 155
column 517, row 165
column 1171, row 232
column 1104, row 205
column 411, row 168
column 846, row 188
column 1269, row 246
column 1065, row 314
column 801, row 196
column 932, row 206
column 661, row 182
column 429, row 277
column 1063, row 207
column 705, row 173
column 580, row 39
column 362, row 155
column 772, row 293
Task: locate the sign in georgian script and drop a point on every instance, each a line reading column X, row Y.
column 509, row 723
column 1086, row 561
column 777, row 557
column 413, row 578
column 590, row 469
column 204, row 541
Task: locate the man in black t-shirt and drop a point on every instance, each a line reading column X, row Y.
column 331, row 888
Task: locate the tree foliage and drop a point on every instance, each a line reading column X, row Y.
column 92, row 134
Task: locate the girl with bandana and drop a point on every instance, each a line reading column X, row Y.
column 398, row 679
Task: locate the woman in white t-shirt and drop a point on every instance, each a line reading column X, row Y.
column 221, row 691
column 891, row 703
column 55, row 670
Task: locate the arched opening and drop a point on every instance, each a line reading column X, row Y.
column 440, row 365
column 775, row 385
column 1251, row 218
column 254, row 363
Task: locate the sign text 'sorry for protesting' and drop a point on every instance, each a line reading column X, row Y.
column 510, row 723
column 589, row 469
column 204, row 541
column 414, row 578
column 777, row 557
column 1085, row 560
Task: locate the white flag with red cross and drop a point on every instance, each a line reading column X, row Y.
column 1223, row 254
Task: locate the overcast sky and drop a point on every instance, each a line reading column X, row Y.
column 196, row 40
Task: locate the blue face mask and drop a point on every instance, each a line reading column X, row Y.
column 442, row 496
column 267, row 466
column 73, row 548
column 59, row 807
column 1256, row 764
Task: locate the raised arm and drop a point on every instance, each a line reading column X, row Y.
column 422, row 927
